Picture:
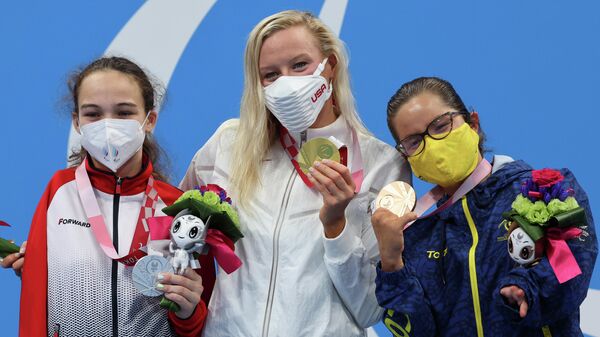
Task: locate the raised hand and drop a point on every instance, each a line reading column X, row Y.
column 389, row 231
column 334, row 181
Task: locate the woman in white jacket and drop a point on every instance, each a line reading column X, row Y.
column 309, row 252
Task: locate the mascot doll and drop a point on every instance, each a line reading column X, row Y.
column 201, row 220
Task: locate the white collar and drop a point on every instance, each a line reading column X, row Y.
column 338, row 129
column 499, row 161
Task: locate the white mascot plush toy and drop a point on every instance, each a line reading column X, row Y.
column 188, row 234
column 521, row 247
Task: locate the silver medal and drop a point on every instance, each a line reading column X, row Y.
column 145, row 273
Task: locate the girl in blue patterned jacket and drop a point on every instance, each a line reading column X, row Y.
column 450, row 274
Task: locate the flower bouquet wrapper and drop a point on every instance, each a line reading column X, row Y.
column 572, row 218
column 7, row 247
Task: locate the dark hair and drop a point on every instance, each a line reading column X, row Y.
column 152, row 94
column 434, row 85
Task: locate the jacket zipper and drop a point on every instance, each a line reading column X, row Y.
column 303, row 135
column 443, row 252
column 473, row 268
column 274, row 263
column 115, row 264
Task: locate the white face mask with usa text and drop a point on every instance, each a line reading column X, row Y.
column 296, row 101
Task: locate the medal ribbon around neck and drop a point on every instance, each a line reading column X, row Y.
column 98, row 225
column 291, row 148
column 483, row 169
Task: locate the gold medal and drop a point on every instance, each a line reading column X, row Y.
column 398, row 197
column 317, row 149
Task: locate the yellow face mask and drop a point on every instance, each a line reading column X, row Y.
column 448, row 161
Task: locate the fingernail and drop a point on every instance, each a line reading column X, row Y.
column 311, row 169
column 160, row 286
column 160, row 277
column 22, row 250
column 317, row 163
column 326, row 161
column 1, row 259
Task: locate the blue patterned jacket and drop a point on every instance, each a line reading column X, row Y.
column 456, row 262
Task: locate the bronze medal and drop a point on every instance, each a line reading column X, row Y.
column 398, row 197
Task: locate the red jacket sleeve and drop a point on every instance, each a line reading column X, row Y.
column 192, row 326
column 33, row 314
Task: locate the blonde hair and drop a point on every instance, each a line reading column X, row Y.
column 257, row 129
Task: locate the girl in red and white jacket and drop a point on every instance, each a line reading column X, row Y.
column 78, row 276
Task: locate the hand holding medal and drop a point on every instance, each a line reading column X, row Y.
column 327, row 174
column 393, row 210
column 331, row 178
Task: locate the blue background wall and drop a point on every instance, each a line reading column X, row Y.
column 529, row 67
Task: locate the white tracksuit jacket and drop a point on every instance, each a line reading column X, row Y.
column 70, row 287
column 294, row 281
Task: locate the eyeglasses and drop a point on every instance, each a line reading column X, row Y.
column 438, row 129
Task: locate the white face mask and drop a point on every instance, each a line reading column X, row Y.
column 113, row 142
column 296, row 101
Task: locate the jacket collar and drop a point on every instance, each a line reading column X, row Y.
column 506, row 173
column 338, row 129
column 511, row 173
column 106, row 181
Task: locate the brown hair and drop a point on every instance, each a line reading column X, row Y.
column 434, row 85
column 152, row 94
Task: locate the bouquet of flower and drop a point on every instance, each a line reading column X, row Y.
column 216, row 228
column 543, row 216
column 209, row 200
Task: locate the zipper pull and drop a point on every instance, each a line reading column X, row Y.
column 302, row 137
column 56, row 330
column 118, row 188
column 442, row 258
